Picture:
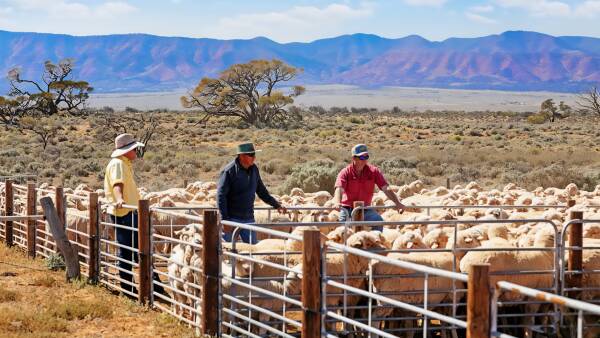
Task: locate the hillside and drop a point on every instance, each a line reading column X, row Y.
column 514, row 60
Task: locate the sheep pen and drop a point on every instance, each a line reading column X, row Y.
column 406, row 279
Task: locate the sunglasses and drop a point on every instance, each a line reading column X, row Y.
column 362, row 157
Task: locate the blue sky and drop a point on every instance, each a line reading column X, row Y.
column 303, row 20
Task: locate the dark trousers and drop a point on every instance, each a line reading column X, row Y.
column 128, row 238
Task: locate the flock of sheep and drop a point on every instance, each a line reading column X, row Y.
column 422, row 242
column 472, row 229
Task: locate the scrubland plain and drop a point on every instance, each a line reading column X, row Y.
column 492, row 148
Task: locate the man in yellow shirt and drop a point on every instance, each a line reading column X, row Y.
column 121, row 189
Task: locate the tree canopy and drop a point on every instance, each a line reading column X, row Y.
column 247, row 91
column 56, row 92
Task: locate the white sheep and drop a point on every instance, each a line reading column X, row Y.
column 403, row 288
column 508, row 262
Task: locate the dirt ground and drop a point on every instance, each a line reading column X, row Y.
column 37, row 302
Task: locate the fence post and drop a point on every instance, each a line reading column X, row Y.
column 61, row 206
column 571, row 203
column 211, row 239
column 575, row 263
column 8, row 207
column 478, row 301
column 31, row 223
column 145, row 289
column 68, row 251
column 93, row 239
column 448, row 183
column 311, row 284
column 359, row 216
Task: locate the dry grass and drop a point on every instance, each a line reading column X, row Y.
column 493, row 148
column 36, row 302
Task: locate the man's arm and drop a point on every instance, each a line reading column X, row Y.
column 118, row 190
column 337, row 196
column 264, row 195
column 222, row 191
column 392, row 196
column 340, row 183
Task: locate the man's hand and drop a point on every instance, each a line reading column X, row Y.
column 400, row 207
column 282, row 210
column 119, row 203
column 227, row 229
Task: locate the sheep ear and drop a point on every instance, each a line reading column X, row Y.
column 468, row 240
column 480, row 238
column 409, row 245
column 246, row 267
column 435, row 245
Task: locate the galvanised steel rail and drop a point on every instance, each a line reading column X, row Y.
column 331, row 280
column 580, row 306
column 453, row 223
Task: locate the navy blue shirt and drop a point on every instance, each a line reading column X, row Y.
column 237, row 189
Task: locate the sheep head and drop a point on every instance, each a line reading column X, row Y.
column 339, row 234
column 436, row 239
column 409, row 240
column 366, row 240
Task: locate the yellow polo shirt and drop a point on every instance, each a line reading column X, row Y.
column 119, row 170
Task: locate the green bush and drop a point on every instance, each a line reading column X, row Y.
column 55, row 262
column 537, row 118
column 312, row 176
column 558, row 175
column 277, row 166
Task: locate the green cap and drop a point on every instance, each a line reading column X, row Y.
column 246, row 148
column 360, row 149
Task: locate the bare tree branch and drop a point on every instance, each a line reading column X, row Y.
column 590, row 100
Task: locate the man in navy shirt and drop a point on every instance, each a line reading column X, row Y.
column 239, row 182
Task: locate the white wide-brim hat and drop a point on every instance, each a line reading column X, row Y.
column 125, row 143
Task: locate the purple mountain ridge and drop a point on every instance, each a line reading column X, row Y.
column 513, row 60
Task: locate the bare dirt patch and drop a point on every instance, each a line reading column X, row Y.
column 36, row 302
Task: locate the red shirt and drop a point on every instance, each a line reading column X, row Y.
column 359, row 188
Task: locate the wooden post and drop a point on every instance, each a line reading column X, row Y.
column 185, row 184
column 211, row 238
column 61, row 206
column 8, row 207
column 62, row 242
column 448, row 183
column 31, row 223
column 359, row 216
column 575, row 262
column 570, row 203
column 311, row 284
column 93, row 239
column 478, row 302
column 145, row 270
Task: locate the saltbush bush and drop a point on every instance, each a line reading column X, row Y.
column 312, row 176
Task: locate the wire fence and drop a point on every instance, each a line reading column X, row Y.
column 347, row 279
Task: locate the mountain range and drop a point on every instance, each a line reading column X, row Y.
column 513, row 60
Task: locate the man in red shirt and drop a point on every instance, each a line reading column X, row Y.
column 357, row 181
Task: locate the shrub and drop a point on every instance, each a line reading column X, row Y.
column 55, row 262
column 277, row 166
column 312, row 176
column 79, row 309
column 537, row 118
column 8, row 295
column 558, row 175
